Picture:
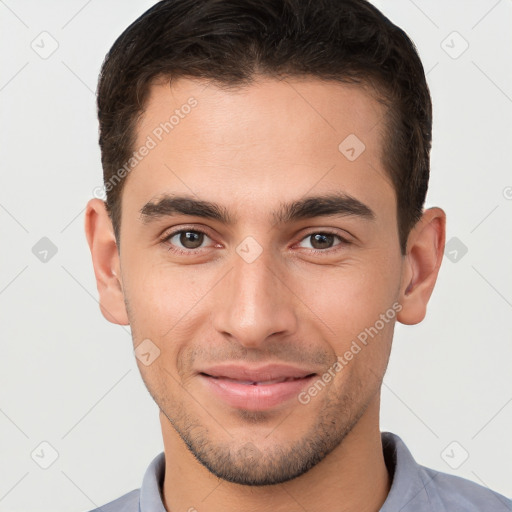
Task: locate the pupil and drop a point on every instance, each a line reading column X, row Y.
column 191, row 239
column 322, row 240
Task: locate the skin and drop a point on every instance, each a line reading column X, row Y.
column 250, row 150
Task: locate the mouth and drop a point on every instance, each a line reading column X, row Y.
column 255, row 382
column 255, row 389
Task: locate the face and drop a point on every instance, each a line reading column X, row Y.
column 252, row 294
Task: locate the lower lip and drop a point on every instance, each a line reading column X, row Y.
column 255, row 397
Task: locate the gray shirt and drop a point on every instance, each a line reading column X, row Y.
column 414, row 488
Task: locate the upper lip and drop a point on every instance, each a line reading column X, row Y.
column 256, row 373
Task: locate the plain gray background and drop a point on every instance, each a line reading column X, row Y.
column 69, row 378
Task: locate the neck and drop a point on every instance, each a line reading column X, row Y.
column 353, row 477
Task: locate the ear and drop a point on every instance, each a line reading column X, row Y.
column 105, row 259
column 425, row 248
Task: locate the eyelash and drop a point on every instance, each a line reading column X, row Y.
column 167, row 237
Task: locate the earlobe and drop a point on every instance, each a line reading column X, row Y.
column 105, row 259
column 425, row 249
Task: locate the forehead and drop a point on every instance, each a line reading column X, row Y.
column 292, row 109
column 271, row 140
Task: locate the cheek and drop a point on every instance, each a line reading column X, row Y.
column 163, row 310
column 160, row 295
column 169, row 306
column 351, row 297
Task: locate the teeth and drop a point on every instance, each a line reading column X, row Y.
column 258, row 383
column 264, row 382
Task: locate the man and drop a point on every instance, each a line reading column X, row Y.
column 266, row 165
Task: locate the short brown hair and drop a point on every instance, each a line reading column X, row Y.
column 229, row 42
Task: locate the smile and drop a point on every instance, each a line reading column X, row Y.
column 255, row 389
column 258, row 383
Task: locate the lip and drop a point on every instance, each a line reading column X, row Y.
column 255, row 388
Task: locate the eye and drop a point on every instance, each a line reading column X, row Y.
column 320, row 241
column 185, row 240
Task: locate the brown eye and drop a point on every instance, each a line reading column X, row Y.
column 322, row 241
column 191, row 239
column 185, row 239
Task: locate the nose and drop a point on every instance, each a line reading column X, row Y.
column 253, row 302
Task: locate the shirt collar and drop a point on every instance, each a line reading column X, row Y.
column 408, row 488
column 409, row 485
column 150, row 493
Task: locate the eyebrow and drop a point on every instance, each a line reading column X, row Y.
column 338, row 204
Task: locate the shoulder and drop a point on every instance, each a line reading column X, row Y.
column 148, row 497
column 129, row 502
column 454, row 494
column 416, row 488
